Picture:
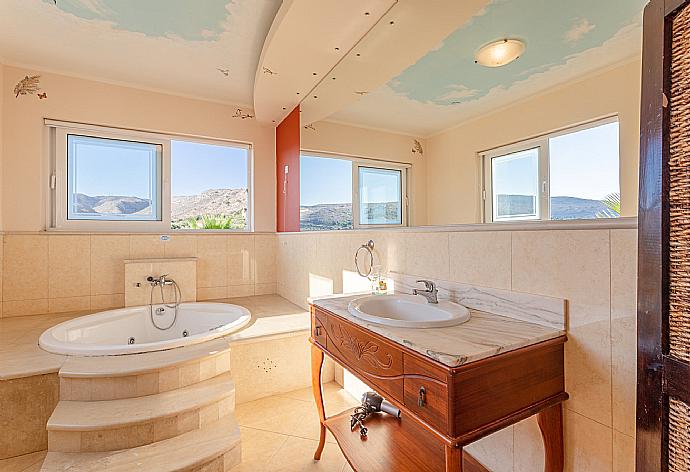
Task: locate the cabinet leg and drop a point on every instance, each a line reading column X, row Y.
column 551, row 425
column 316, row 364
column 453, row 459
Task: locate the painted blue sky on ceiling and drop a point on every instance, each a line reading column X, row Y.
column 188, row 19
column 554, row 31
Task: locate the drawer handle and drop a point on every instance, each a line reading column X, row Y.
column 317, row 331
column 421, row 400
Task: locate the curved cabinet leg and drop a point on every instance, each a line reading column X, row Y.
column 551, row 425
column 453, row 459
column 316, row 364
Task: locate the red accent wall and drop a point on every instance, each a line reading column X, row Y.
column 287, row 154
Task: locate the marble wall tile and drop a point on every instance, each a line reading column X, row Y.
column 108, row 253
column 265, row 250
column 183, row 271
column 234, row 291
column 589, row 445
column 495, row 451
column 623, row 452
column 210, row 293
column 104, row 302
column 61, row 305
column 24, row 307
column 145, row 246
column 265, row 289
column 25, row 267
column 624, row 328
column 69, row 266
column 427, row 254
column 574, row 265
column 240, row 254
column 212, row 262
column 481, row 258
column 180, row 245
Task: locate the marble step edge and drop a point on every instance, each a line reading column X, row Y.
column 133, row 364
column 111, row 414
column 190, row 452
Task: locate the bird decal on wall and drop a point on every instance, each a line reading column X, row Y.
column 417, row 148
column 29, row 85
column 240, row 114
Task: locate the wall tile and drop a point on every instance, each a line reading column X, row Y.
column 24, row 307
column 495, row 451
column 180, row 245
column 624, row 328
column 623, row 452
column 182, row 271
column 105, row 302
column 234, row 291
column 481, row 258
column 108, row 253
column 265, row 289
column 265, row 250
column 69, row 266
column 574, row 265
column 210, row 293
column 426, row 255
column 589, row 445
column 212, row 263
column 61, row 305
column 240, row 253
column 145, row 246
column 25, row 267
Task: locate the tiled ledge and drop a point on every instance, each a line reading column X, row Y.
column 20, row 356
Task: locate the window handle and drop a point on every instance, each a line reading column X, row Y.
column 543, row 186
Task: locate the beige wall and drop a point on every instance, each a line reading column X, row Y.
column 454, row 170
column 49, row 272
column 362, row 142
column 24, row 173
column 600, row 352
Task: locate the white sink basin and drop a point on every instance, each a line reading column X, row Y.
column 408, row 311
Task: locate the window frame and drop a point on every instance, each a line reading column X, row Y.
column 58, row 183
column 541, row 142
column 357, row 163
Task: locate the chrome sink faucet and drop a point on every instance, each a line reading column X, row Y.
column 430, row 293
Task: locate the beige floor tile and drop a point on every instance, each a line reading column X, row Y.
column 258, row 447
column 623, row 452
column 495, row 451
column 296, row 455
column 589, row 445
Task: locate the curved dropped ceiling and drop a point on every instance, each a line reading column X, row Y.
column 305, row 41
column 408, row 31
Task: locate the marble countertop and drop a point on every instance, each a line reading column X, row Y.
column 484, row 335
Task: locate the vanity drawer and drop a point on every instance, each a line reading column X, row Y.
column 428, row 399
column 378, row 362
column 318, row 329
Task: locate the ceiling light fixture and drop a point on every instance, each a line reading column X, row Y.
column 499, row 53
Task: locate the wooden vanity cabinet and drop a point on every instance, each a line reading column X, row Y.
column 456, row 405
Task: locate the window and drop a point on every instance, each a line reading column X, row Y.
column 346, row 193
column 126, row 180
column 562, row 176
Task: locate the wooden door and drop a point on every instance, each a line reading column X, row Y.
column 663, row 317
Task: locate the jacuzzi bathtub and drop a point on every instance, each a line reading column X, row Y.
column 129, row 330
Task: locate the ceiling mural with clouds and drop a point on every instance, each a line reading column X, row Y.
column 564, row 39
column 207, row 49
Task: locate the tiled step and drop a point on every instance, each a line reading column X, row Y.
column 94, row 426
column 136, row 375
column 216, row 447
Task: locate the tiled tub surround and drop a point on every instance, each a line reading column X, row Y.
column 269, row 357
column 65, row 272
column 594, row 269
column 180, row 269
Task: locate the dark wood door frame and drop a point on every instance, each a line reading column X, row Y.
column 658, row 375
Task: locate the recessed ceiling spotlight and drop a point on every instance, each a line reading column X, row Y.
column 499, row 53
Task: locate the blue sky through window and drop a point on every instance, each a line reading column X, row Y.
column 325, row 180
column 197, row 167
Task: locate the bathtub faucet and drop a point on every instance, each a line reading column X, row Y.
column 162, row 280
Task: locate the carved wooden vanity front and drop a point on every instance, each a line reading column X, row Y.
column 443, row 408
